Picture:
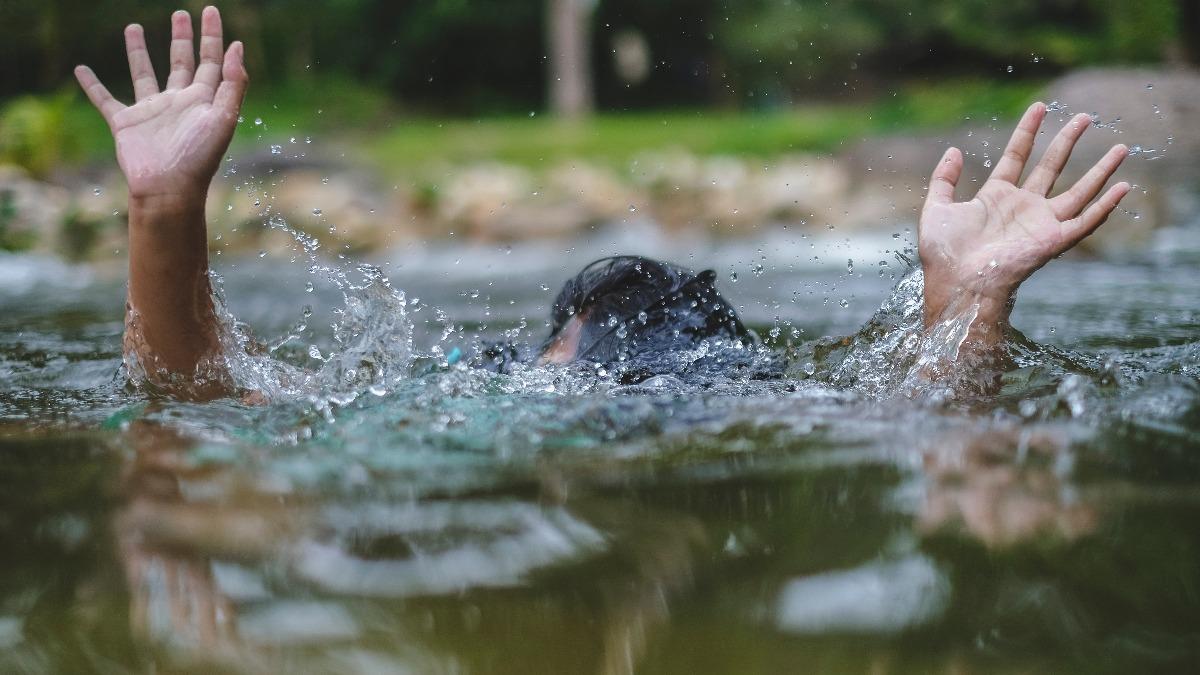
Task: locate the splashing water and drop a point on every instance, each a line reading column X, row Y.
column 373, row 338
column 391, row 510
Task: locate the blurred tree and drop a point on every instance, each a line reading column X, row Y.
column 476, row 56
column 1189, row 29
column 568, row 41
column 788, row 47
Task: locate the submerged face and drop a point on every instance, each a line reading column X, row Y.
column 625, row 306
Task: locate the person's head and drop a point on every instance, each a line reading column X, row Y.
column 626, row 306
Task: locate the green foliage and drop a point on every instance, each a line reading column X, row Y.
column 796, row 46
column 1137, row 31
column 489, row 56
column 33, row 133
column 617, row 139
column 12, row 239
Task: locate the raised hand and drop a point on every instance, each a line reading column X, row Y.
column 978, row 252
column 170, row 142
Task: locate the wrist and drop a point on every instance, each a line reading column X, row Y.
column 168, row 202
column 991, row 303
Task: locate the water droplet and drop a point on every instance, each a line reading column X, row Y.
column 262, row 254
column 733, row 277
column 97, row 191
column 1009, row 69
column 276, row 149
column 308, row 287
column 258, row 121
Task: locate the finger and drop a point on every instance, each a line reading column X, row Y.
column 183, row 60
column 140, row 69
column 945, row 177
column 1041, row 179
column 98, row 94
column 1012, row 163
column 1096, row 214
column 233, row 80
column 211, row 48
column 1070, row 203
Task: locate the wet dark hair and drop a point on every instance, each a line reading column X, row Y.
column 629, row 305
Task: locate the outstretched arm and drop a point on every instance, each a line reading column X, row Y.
column 976, row 253
column 169, row 145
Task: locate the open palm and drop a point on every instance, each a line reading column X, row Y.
column 987, row 246
column 171, row 142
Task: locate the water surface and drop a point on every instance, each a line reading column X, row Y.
column 428, row 518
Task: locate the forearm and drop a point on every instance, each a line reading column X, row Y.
column 171, row 325
column 986, row 313
column 965, row 328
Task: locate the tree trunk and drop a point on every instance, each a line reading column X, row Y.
column 1189, row 30
column 568, row 33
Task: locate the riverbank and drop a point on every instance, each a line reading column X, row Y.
column 364, row 181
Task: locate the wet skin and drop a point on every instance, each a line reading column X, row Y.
column 975, row 253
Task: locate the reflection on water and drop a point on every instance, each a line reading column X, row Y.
column 435, row 519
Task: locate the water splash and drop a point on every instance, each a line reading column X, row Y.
column 895, row 355
column 1135, row 150
column 373, row 338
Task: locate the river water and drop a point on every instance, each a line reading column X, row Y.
column 393, row 513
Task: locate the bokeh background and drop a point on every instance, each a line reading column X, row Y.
column 377, row 123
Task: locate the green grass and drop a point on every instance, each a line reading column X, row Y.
column 364, row 120
column 615, row 138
